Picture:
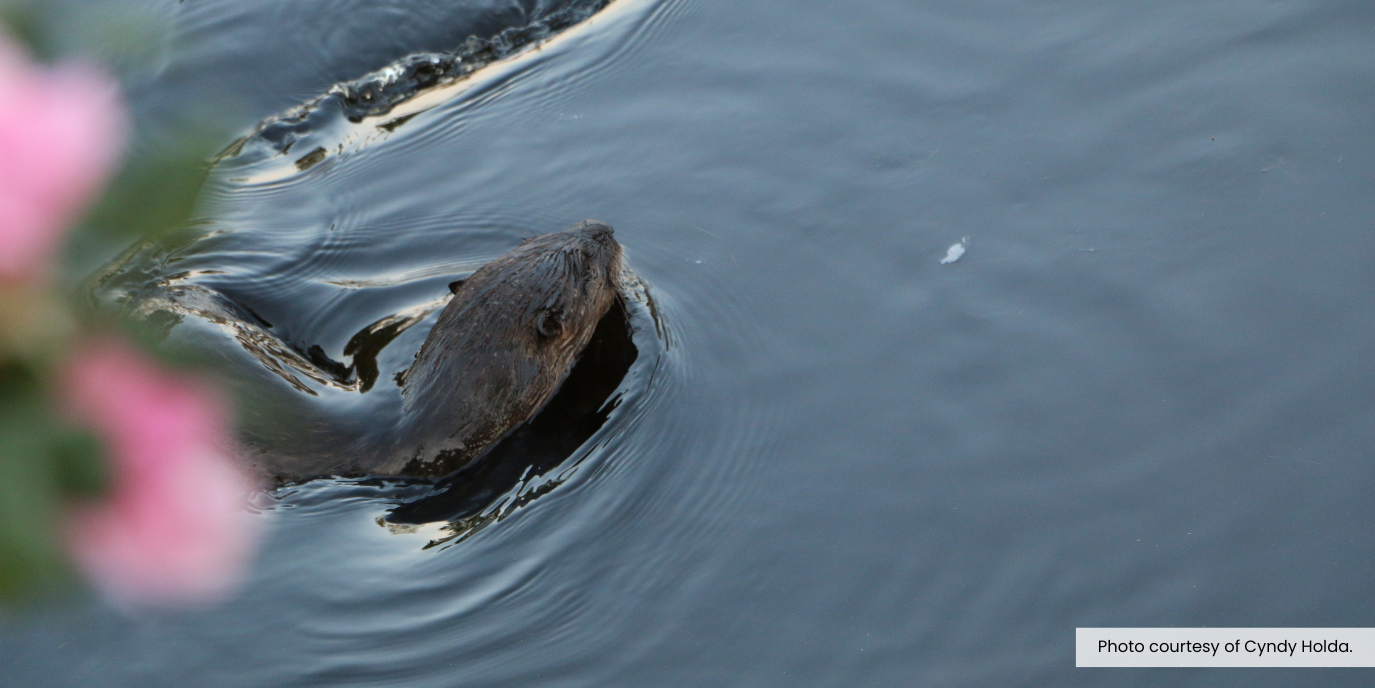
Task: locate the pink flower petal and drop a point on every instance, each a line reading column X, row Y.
column 60, row 133
column 174, row 528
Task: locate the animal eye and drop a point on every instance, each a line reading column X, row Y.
column 548, row 324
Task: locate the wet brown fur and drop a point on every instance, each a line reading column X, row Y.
column 502, row 347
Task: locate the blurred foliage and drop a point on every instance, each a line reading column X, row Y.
column 21, row 23
column 156, row 190
column 149, row 198
column 124, row 36
column 48, row 464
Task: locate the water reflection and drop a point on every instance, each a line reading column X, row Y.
column 353, row 114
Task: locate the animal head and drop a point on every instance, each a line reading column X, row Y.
column 510, row 334
column 548, row 292
column 576, row 276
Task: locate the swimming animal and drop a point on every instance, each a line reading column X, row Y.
column 502, row 346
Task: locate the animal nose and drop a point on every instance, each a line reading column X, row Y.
column 595, row 229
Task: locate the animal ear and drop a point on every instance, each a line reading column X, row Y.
column 548, row 324
column 454, row 286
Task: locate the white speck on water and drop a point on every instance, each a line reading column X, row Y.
column 699, row 262
column 953, row 253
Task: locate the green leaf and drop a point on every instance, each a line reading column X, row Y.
column 123, row 37
column 148, row 200
column 79, row 464
column 22, row 22
column 31, row 556
column 156, row 190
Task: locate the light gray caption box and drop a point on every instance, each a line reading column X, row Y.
column 1224, row 647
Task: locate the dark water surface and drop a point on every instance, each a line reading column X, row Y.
column 1143, row 397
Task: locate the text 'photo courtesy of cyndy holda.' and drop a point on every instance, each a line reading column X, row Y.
column 1224, row 647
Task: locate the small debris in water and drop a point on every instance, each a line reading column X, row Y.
column 953, row 253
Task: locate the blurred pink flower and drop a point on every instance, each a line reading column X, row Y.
column 61, row 129
column 174, row 528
